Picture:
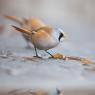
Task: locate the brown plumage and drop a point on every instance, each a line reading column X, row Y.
column 39, row 34
column 27, row 23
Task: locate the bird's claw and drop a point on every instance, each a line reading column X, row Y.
column 37, row 56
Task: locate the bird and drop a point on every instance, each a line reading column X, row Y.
column 29, row 23
column 43, row 38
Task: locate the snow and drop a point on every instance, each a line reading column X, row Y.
column 21, row 74
column 16, row 72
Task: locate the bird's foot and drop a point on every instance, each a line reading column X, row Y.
column 36, row 56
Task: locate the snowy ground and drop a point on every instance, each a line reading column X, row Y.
column 19, row 73
column 76, row 18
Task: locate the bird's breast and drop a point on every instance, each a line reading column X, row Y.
column 44, row 41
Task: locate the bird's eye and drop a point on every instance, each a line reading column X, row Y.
column 61, row 36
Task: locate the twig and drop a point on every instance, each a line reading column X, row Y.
column 80, row 59
column 56, row 56
column 19, row 57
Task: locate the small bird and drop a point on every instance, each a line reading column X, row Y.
column 44, row 38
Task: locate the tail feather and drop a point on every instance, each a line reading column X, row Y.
column 14, row 18
column 22, row 30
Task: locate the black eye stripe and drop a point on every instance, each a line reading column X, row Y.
column 60, row 36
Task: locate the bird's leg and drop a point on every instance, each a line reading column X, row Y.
column 49, row 53
column 36, row 52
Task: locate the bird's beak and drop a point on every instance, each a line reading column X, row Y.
column 22, row 30
column 65, row 34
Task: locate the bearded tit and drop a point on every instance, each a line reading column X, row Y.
column 27, row 23
column 44, row 38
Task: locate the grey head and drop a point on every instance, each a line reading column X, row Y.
column 61, row 34
column 58, row 34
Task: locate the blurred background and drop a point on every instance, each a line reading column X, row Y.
column 75, row 17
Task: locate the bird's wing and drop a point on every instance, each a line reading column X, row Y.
column 46, row 29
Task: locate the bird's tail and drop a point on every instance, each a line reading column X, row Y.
column 14, row 18
column 22, row 30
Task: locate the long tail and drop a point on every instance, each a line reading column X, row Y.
column 14, row 18
column 22, row 30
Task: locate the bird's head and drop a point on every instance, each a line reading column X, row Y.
column 62, row 34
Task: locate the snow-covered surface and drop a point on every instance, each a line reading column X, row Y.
column 77, row 19
column 19, row 73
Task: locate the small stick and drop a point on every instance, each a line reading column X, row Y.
column 56, row 56
column 80, row 59
column 19, row 57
